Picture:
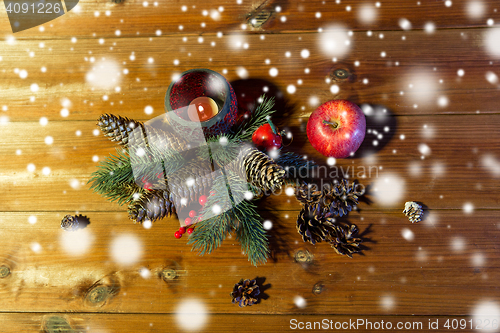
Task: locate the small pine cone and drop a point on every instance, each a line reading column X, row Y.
column 414, row 211
column 153, row 205
column 341, row 198
column 118, row 128
column 70, row 223
column 314, row 224
column 245, row 293
column 261, row 170
column 344, row 242
column 308, row 194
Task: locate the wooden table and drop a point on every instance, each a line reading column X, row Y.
column 428, row 71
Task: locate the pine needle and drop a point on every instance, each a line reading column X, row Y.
column 259, row 118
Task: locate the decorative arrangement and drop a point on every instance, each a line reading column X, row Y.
column 245, row 293
column 206, row 163
column 413, row 211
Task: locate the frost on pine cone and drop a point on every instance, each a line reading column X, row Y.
column 260, row 170
column 153, row 205
column 339, row 198
column 313, row 224
column 413, row 211
column 245, row 293
column 344, row 241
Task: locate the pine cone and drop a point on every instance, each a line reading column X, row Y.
column 308, row 194
column 245, row 292
column 341, row 198
column 153, row 205
column 414, row 211
column 126, row 131
column 260, row 170
column 314, row 224
column 117, row 128
column 344, row 242
column 70, row 223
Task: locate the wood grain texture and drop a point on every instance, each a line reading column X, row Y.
column 417, row 76
column 432, row 105
column 450, row 261
column 133, row 18
column 32, row 322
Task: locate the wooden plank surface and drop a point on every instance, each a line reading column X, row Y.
column 78, row 322
column 418, row 75
column 133, row 17
column 450, row 260
column 430, row 93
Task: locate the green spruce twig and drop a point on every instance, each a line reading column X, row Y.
column 259, row 117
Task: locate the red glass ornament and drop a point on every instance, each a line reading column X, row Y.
column 178, row 234
column 267, row 137
column 192, row 213
column 202, row 200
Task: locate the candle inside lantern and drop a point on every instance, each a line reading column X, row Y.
column 202, row 109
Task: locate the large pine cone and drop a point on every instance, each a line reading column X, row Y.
column 245, row 293
column 338, row 198
column 344, row 241
column 153, row 205
column 314, row 224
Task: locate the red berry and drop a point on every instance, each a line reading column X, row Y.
column 192, row 213
column 202, row 200
column 190, row 231
column 178, row 234
column 182, row 230
column 188, row 221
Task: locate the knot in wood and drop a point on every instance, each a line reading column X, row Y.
column 303, row 256
column 317, row 288
column 56, row 324
column 98, row 294
column 4, row 271
column 168, row 274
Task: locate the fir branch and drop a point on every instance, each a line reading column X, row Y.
column 221, row 149
column 296, row 166
column 116, row 176
column 259, row 117
column 237, row 214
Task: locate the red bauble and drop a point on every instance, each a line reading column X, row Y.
column 178, row 234
column 190, row 231
column 336, row 128
column 192, row 213
column 188, row 221
column 202, row 200
column 182, row 230
column 267, row 137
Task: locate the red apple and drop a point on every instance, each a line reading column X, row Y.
column 336, row 128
